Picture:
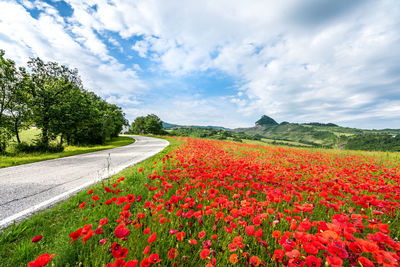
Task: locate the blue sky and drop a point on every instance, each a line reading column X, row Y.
column 222, row 62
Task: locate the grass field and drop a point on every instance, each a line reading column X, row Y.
column 14, row 158
column 202, row 202
column 268, row 141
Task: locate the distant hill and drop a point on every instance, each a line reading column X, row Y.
column 168, row 126
column 265, row 121
column 314, row 134
column 327, row 135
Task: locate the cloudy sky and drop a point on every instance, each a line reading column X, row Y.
column 222, row 62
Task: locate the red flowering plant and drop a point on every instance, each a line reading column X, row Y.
column 218, row 203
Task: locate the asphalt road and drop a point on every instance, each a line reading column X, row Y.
column 27, row 188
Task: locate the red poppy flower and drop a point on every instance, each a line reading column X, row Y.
column 118, row 251
column 121, row 231
column 334, row 261
column 145, row 262
column 365, row 262
column 258, row 233
column 276, row 234
column 254, row 261
column 152, row 238
column 204, row 253
column 154, row 258
column 103, row 221
column 37, row 238
column 42, row 260
column 131, row 263
column 313, row 261
column 309, row 248
column 87, row 236
column 146, row 250
column 202, row 234
column 172, row 253
column 233, row 258
column 99, row 231
column 250, row 230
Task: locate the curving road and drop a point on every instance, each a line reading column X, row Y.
column 28, row 188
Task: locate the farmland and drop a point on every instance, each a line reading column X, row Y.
column 206, row 202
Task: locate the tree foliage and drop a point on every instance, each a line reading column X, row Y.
column 377, row 142
column 52, row 97
column 151, row 124
column 8, row 92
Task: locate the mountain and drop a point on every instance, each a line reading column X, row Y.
column 327, row 135
column 265, row 121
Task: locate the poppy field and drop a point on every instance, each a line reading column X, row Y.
column 213, row 203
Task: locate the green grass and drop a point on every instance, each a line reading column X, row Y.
column 14, row 158
column 55, row 224
column 267, row 141
column 28, row 135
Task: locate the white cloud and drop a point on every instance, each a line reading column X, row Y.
column 22, row 37
column 296, row 61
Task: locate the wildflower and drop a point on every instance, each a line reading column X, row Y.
column 313, row 261
column 42, row 260
column 250, row 230
column 254, row 261
column 204, row 253
column 172, row 253
column 152, row 238
column 233, row 258
column 37, row 238
column 276, row 234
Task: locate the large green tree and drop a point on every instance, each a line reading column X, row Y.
column 20, row 112
column 51, row 82
column 8, row 89
column 150, row 124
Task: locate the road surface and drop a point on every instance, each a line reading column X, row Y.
column 27, row 188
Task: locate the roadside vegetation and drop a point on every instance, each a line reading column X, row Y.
column 150, row 124
column 325, row 135
column 51, row 97
column 14, row 157
column 56, row 223
column 213, row 203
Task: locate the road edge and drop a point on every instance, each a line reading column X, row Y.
column 22, row 215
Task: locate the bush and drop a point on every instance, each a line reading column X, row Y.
column 38, row 147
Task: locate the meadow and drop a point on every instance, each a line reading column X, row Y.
column 213, row 203
column 14, row 157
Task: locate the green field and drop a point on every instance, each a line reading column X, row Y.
column 14, row 158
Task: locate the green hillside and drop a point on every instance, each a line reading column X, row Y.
column 313, row 134
column 325, row 135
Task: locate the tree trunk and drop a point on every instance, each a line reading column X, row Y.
column 61, row 140
column 45, row 132
column 17, row 131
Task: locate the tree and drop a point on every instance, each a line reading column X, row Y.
column 50, row 82
column 150, row 124
column 139, row 125
column 153, row 124
column 19, row 110
column 8, row 88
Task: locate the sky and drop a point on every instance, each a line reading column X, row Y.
column 222, row 62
